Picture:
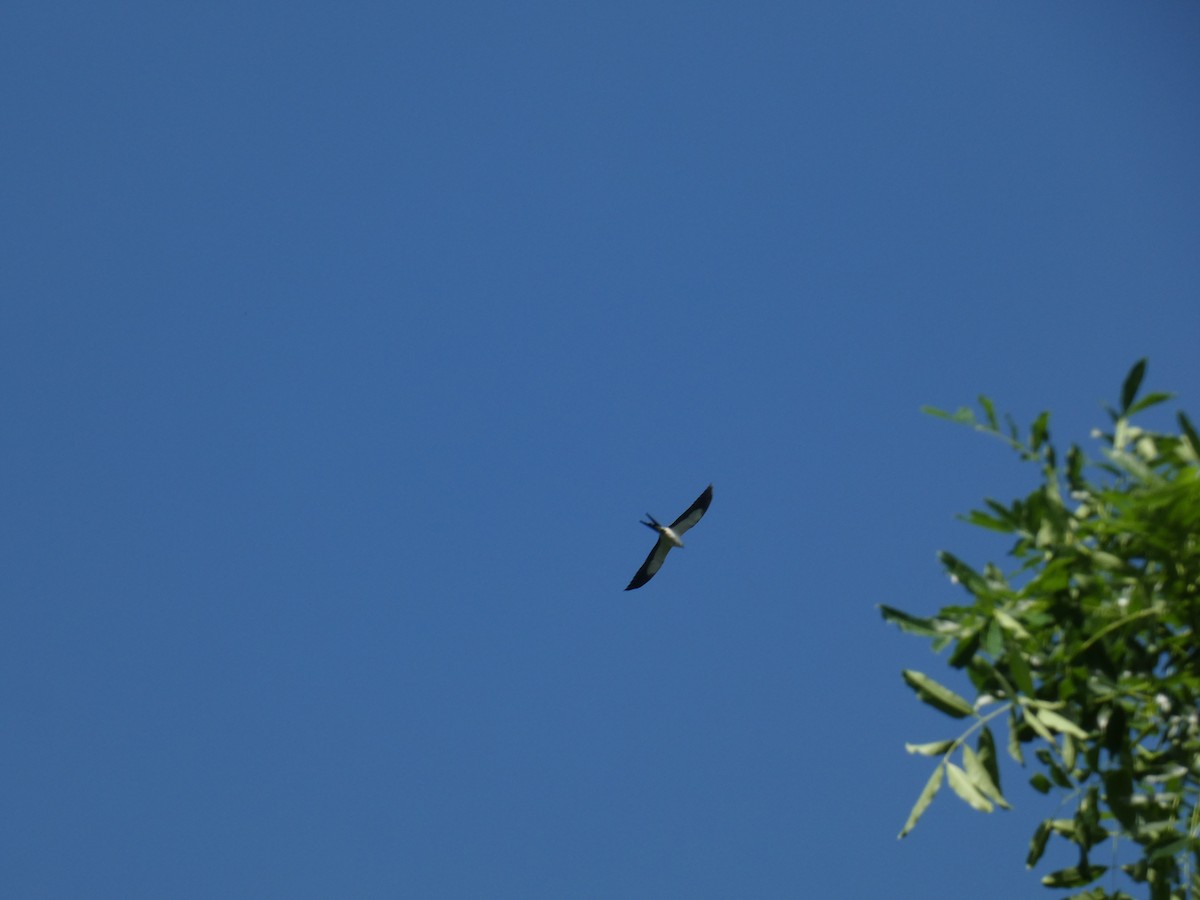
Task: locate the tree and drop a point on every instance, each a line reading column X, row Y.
column 1088, row 649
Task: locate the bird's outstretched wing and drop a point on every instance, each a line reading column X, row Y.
column 694, row 512
column 652, row 564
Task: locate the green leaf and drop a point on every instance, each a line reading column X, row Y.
column 960, row 572
column 985, row 747
column 1148, row 401
column 1037, row 845
column 1014, row 742
column 1116, row 729
column 1118, row 789
column 1031, row 719
column 1069, row 751
column 1011, row 625
column 989, row 412
column 1004, row 513
column 1014, row 432
column 1109, row 561
column 1061, row 724
column 966, row 790
column 983, row 520
column 933, row 748
column 1133, row 381
column 1074, row 876
column 1039, row 432
column 1075, row 461
column 981, row 778
column 962, row 415
column 908, row 622
column 1018, row 668
column 1185, row 425
column 1179, row 845
column 927, row 794
column 936, row 695
column 993, row 641
column 965, row 649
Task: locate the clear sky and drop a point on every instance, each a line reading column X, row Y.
column 343, row 346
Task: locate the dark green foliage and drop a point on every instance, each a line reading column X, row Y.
column 1087, row 650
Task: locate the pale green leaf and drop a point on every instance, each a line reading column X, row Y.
column 936, row 695
column 981, row 778
column 966, row 790
column 1011, row 625
column 1014, row 745
column 1059, row 723
column 1073, row 876
column 934, row 748
column 927, row 794
column 1042, row 731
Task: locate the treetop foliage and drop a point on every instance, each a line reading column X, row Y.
column 1085, row 649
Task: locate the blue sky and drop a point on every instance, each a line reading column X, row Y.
column 343, row 345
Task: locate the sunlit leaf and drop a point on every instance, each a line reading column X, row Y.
column 966, row 790
column 1030, row 718
column 934, row 748
column 936, row 695
column 1014, row 743
column 927, row 794
column 1011, row 625
column 981, row 778
column 1061, row 724
column 1073, row 876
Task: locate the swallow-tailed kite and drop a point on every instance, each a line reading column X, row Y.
column 668, row 537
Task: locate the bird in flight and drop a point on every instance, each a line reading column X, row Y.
column 668, row 537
